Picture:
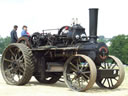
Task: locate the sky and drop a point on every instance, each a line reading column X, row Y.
column 52, row 14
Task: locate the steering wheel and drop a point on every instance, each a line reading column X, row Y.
column 62, row 28
column 35, row 39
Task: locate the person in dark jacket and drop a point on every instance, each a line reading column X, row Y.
column 13, row 34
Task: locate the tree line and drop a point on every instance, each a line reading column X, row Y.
column 118, row 46
column 4, row 43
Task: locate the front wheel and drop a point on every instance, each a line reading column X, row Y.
column 80, row 72
column 115, row 74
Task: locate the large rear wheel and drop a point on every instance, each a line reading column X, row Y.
column 80, row 72
column 17, row 64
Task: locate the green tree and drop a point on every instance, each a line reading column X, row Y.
column 119, row 47
column 103, row 39
column 3, row 43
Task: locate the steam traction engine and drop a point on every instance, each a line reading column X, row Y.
column 80, row 59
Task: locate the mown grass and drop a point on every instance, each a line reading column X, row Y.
column 126, row 68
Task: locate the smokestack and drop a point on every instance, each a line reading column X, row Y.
column 93, row 17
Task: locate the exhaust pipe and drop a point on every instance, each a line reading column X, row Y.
column 93, row 18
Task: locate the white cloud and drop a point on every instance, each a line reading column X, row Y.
column 44, row 14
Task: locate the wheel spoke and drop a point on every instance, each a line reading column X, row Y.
column 113, row 66
column 21, row 61
column 105, row 65
column 7, row 72
column 69, row 74
column 73, row 69
column 12, row 76
column 86, row 72
column 21, row 57
column 74, row 78
column 12, row 52
column 102, row 67
column 108, row 65
column 108, row 82
column 22, row 66
column 111, row 82
column 86, row 76
column 84, row 79
column 81, row 68
column 73, row 65
column 18, row 50
column 12, row 58
column 85, row 68
column 78, row 67
column 78, row 63
column 15, row 70
column 8, row 60
column 9, row 66
column 18, row 75
column 115, row 79
column 104, row 80
column 21, row 70
column 79, row 81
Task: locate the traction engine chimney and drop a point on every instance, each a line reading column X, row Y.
column 93, row 18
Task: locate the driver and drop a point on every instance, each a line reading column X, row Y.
column 24, row 32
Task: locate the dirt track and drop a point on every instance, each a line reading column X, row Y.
column 59, row 89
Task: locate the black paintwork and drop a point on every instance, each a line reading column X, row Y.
column 73, row 36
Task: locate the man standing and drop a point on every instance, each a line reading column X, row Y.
column 13, row 34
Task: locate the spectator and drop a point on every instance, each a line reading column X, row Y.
column 13, row 34
column 24, row 32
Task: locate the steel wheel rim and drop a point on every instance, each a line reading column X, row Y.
column 111, row 83
column 13, row 65
column 84, row 79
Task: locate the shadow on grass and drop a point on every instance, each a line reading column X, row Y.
column 94, row 89
column 58, row 84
